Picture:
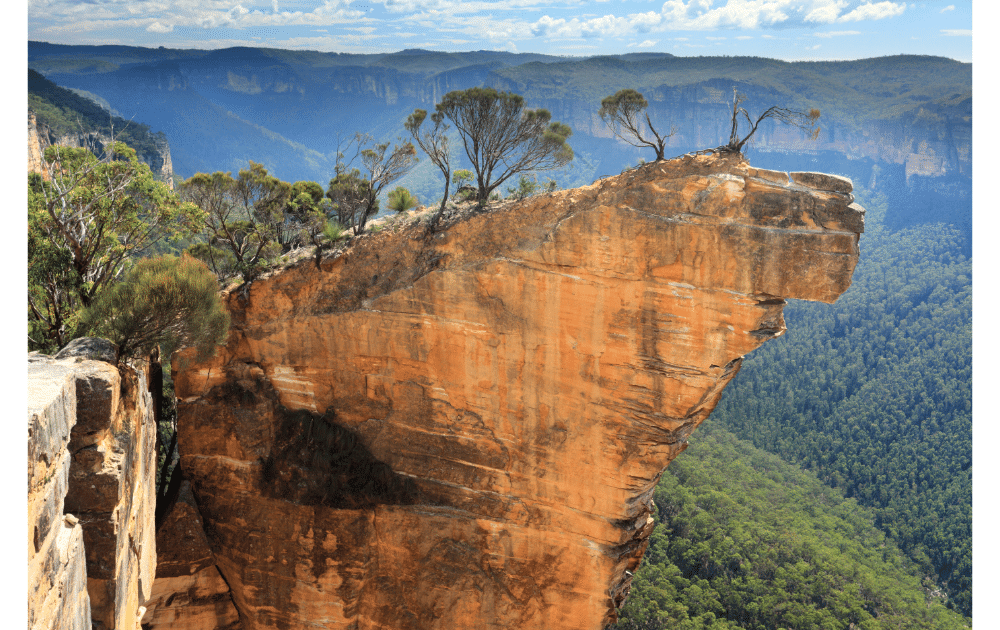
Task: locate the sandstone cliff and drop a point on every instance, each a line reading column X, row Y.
column 40, row 137
column 91, row 492
column 464, row 431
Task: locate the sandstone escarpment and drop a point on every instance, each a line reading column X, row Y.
column 464, row 430
column 91, row 486
column 40, row 137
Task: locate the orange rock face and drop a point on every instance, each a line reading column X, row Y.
column 465, row 430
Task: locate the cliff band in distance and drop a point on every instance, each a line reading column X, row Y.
column 465, row 430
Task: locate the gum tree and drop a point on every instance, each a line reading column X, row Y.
column 435, row 144
column 501, row 138
column 245, row 227
column 622, row 112
column 88, row 217
column 737, row 139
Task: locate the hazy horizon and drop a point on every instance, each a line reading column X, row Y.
column 791, row 30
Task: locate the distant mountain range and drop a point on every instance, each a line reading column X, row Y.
column 283, row 108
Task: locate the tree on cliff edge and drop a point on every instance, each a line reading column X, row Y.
column 435, row 144
column 164, row 302
column 791, row 117
column 621, row 113
column 502, row 139
column 88, row 218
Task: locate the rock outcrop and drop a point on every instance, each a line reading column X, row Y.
column 92, row 443
column 464, row 430
column 40, row 137
column 57, row 567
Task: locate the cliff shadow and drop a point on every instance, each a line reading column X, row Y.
column 315, row 461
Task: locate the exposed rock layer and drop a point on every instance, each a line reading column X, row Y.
column 91, row 441
column 464, row 431
column 188, row 592
column 40, row 137
column 57, row 568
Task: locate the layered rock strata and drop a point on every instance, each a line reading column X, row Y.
column 464, row 429
column 57, row 567
column 188, row 592
column 108, row 487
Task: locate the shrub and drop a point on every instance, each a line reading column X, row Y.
column 525, row 188
column 167, row 301
column 401, row 200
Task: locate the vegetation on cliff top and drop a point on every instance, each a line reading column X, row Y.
column 88, row 219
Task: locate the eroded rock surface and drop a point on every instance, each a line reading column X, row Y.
column 465, row 430
column 188, row 592
column 57, row 568
column 92, row 465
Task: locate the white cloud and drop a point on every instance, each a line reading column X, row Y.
column 649, row 43
column 958, row 32
column 156, row 27
column 825, row 12
column 950, row 7
column 874, row 11
column 714, row 39
column 829, row 34
column 503, row 22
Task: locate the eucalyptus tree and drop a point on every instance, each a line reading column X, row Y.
column 795, row 118
column 245, row 227
column 621, row 112
column 435, row 144
column 88, row 217
column 501, row 138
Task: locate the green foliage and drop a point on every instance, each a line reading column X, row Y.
column 436, row 145
column 401, row 200
column 525, row 188
column 620, row 112
column 873, row 393
column 354, row 201
column 462, row 176
column 86, row 221
column 247, row 224
column 333, row 231
column 66, row 113
column 167, row 301
column 501, row 138
column 745, row 540
column 355, row 195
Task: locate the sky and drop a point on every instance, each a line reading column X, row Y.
column 782, row 29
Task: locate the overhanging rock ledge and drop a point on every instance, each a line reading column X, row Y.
column 464, row 431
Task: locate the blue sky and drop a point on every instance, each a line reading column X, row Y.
column 783, row 29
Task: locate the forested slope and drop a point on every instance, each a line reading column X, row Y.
column 67, row 114
column 747, row 540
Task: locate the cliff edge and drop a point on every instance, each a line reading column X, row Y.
column 91, row 490
column 464, row 430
